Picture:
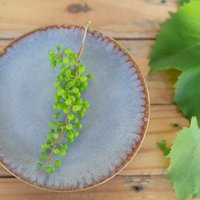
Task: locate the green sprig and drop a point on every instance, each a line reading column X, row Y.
column 69, row 84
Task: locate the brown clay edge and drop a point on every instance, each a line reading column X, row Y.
column 135, row 147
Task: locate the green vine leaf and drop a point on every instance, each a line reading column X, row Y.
column 187, row 92
column 183, row 1
column 184, row 167
column 177, row 46
column 178, row 43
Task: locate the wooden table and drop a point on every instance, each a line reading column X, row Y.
column 133, row 23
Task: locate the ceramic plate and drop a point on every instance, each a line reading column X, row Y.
column 114, row 125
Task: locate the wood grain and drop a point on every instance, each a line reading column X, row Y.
column 119, row 188
column 125, row 18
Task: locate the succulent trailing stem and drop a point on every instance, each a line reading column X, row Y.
column 69, row 84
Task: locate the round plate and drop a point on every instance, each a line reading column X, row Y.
column 113, row 127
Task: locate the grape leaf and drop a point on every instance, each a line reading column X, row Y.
column 184, row 168
column 182, row 1
column 178, row 46
column 187, row 92
column 178, row 43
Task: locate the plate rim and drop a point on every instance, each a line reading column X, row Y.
column 136, row 146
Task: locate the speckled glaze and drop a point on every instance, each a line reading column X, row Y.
column 115, row 123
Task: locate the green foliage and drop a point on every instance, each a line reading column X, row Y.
column 163, row 147
column 177, row 46
column 187, row 95
column 69, row 84
column 183, row 1
column 178, row 43
column 184, row 167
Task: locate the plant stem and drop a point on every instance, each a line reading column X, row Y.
column 82, row 46
column 57, row 141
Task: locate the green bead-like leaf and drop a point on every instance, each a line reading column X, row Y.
column 49, row 142
column 90, row 76
column 56, row 151
column 79, row 126
column 64, row 146
column 56, row 115
column 49, row 135
column 75, row 90
column 68, row 102
column 39, row 164
column 57, row 162
column 58, row 47
column 70, row 134
column 62, row 152
column 76, row 120
column 49, row 169
column 81, row 114
column 70, row 117
column 56, row 84
column 53, row 63
column 76, row 108
column 86, row 104
column 81, row 69
column 70, row 140
column 51, row 52
column 83, row 110
column 72, row 62
column 52, row 123
column 60, row 91
column 83, row 78
column 76, row 134
column 58, row 59
column 66, row 60
column 59, row 106
column 43, row 155
column 73, row 98
column 69, row 126
column 66, row 110
column 44, row 146
column 56, row 135
column 68, row 72
column 67, row 51
column 63, row 69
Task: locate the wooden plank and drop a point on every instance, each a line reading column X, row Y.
column 120, row 188
column 122, row 18
column 165, row 121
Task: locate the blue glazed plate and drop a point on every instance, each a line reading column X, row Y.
column 113, row 127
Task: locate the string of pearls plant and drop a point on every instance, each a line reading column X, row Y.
column 69, row 85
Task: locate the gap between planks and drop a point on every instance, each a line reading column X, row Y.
column 126, row 187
